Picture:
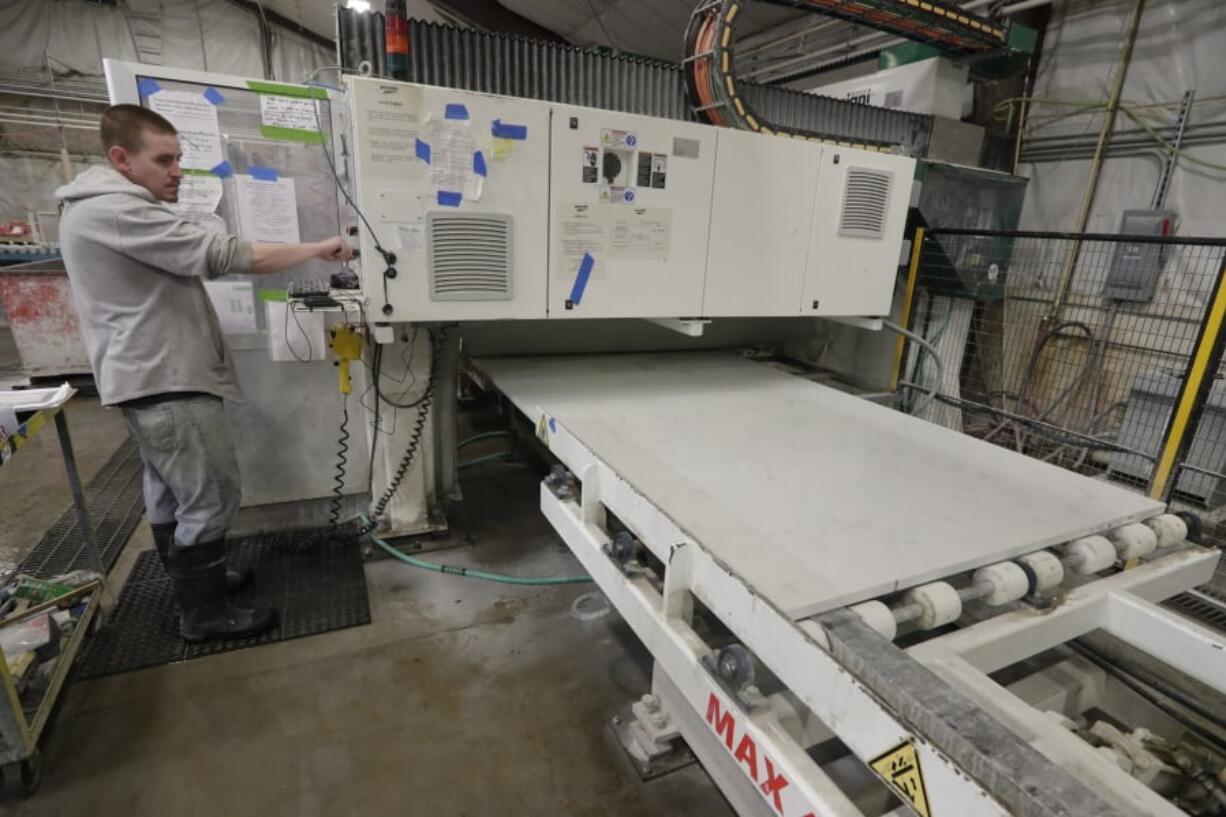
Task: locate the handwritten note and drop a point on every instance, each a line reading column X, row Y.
column 288, row 112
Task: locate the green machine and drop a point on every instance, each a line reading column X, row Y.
column 967, row 198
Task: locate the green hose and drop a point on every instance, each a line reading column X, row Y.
column 484, row 436
column 470, row 572
column 501, row 455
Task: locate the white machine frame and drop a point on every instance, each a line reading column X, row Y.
column 762, row 768
column 971, row 746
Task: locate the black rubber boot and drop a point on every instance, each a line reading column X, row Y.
column 164, row 534
column 199, row 573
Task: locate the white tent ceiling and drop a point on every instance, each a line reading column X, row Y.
column 653, row 28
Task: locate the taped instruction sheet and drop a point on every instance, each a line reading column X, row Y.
column 387, row 125
column 581, row 231
column 195, row 118
column 267, row 209
column 234, row 303
column 452, row 158
column 198, row 195
column 609, row 231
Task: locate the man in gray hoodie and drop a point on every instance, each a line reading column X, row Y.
column 155, row 344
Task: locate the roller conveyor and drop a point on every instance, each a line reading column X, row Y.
column 816, row 498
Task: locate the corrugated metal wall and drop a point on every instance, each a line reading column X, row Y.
column 517, row 66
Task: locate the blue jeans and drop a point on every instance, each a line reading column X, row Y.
column 191, row 471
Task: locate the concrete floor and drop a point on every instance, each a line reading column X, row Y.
column 461, row 698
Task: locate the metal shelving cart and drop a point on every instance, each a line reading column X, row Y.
column 25, row 712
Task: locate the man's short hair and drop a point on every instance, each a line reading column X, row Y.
column 124, row 125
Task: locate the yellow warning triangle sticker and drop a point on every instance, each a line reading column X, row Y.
column 900, row 768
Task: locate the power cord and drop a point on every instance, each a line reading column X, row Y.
column 389, row 257
column 289, row 345
column 423, row 404
column 347, row 346
column 342, row 461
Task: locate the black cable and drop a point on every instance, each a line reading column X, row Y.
column 310, row 348
column 376, row 364
column 1162, row 686
column 388, row 258
column 599, row 22
column 1143, row 689
column 415, row 436
column 342, row 460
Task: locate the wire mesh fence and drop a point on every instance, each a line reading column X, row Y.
column 1073, row 350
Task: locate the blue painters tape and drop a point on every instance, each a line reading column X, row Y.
column 423, row 151
column 448, row 199
column 214, row 96
column 223, row 170
column 456, row 111
column 147, row 87
column 479, row 163
column 264, row 174
column 585, row 272
column 505, row 131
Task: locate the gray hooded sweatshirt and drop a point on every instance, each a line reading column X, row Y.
column 137, row 272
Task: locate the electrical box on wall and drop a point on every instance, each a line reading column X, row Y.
column 804, row 228
column 499, row 208
column 1136, row 266
column 456, row 185
column 761, row 218
column 630, row 207
column 858, row 223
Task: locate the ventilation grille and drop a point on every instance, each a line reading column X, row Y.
column 470, row 257
column 866, row 200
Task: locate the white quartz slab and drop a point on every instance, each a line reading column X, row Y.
column 816, row 498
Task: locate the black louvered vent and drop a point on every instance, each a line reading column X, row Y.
column 866, row 200
column 470, row 257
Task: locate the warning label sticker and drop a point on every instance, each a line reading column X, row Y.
column 644, row 174
column 901, row 769
column 659, row 171
column 590, row 157
column 611, row 138
column 612, row 194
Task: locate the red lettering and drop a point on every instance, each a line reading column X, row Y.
column 747, row 753
column 722, row 722
column 773, row 785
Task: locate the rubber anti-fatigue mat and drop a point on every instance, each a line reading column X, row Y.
column 313, row 579
column 115, row 499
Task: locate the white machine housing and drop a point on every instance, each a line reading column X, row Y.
column 507, row 208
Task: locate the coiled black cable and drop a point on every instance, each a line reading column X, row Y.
column 342, row 460
column 416, row 436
